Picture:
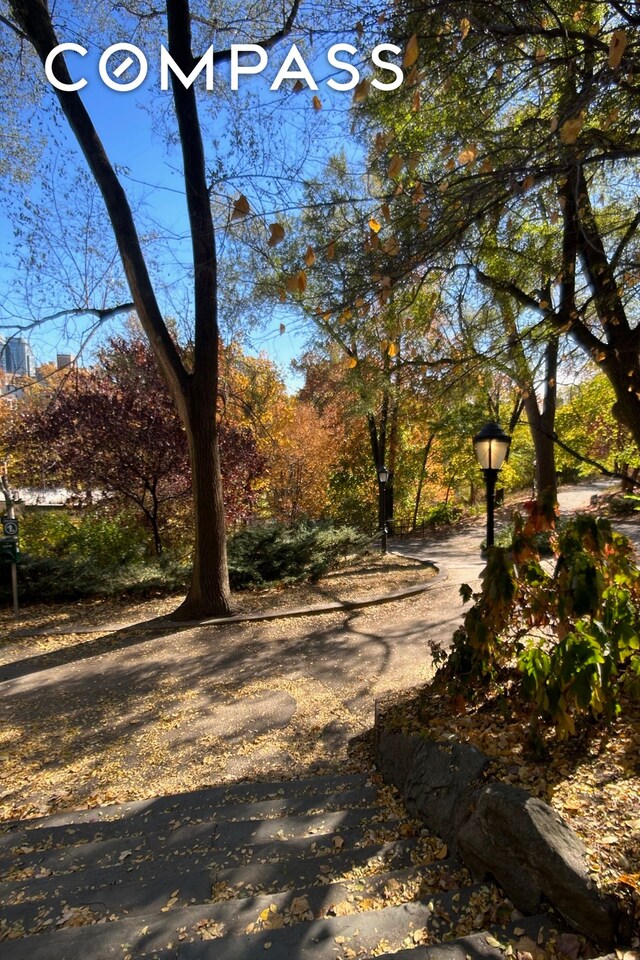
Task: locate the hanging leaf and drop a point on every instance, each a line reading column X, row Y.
column 277, row 234
column 310, row 257
column 541, row 54
column 352, row 363
column 391, row 247
column 359, row 28
column 393, row 349
column 413, row 78
column 361, row 92
column 302, row 281
column 468, row 155
column 528, row 182
column 298, row 86
column 374, row 225
column 570, row 129
column 423, row 217
column 465, row 26
column 317, row 103
column 411, row 52
column 282, row 295
column 416, row 102
column 282, row 329
column 241, row 208
column 612, row 117
column 486, row 166
column 386, row 212
column 331, row 250
column 617, row 48
column 395, row 166
column 418, row 193
column 291, row 283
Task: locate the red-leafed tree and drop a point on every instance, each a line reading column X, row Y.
column 115, row 430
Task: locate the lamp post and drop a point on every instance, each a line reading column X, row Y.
column 492, row 447
column 383, row 476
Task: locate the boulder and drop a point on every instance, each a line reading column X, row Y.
column 532, row 853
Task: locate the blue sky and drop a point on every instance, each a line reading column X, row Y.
column 153, row 176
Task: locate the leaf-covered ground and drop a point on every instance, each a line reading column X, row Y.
column 592, row 779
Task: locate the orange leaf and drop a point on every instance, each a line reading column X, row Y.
column 241, row 208
column 277, row 234
column 317, row 103
column 411, row 52
column 374, row 225
column 310, row 257
column 617, row 48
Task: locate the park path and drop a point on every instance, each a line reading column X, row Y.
column 214, row 704
column 458, row 557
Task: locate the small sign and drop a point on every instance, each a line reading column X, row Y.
column 9, row 552
column 9, row 527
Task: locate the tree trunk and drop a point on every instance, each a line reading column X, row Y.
column 209, row 592
column 423, row 470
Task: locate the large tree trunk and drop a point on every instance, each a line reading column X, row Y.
column 209, row 591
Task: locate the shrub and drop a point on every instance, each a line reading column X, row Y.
column 274, row 552
column 573, row 634
column 83, row 536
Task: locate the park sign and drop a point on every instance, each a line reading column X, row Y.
column 9, row 549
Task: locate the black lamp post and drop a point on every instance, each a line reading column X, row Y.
column 383, row 476
column 492, row 447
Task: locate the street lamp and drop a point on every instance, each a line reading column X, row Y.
column 492, row 447
column 383, row 476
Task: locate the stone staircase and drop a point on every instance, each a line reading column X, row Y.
column 329, row 868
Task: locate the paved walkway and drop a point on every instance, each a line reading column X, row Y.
column 211, row 704
column 458, row 556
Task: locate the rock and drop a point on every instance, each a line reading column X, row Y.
column 437, row 780
column 531, row 852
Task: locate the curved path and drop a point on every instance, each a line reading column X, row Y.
column 458, row 556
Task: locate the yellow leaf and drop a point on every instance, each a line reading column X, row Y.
column 411, row 52
column 310, row 257
column 352, row 363
column 468, row 155
column 393, row 349
column 277, row 234
column 395, row 166
column 241, row 208
column 317, row 103
column 570, row 129
column 465, row 26
column 361, row 92
column 617, row 48
column 374, row 225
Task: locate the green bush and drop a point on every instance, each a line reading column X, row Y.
column 274, row 552
column 572, row 633
column 55, row 579
column 83, row 536
column 442, row 514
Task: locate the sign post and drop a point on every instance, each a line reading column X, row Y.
column 9, row 549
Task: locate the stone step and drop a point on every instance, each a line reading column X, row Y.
column 187, row 809
column 416, row 880
column 316, row 919
column 207, row 838
column 143, row 891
